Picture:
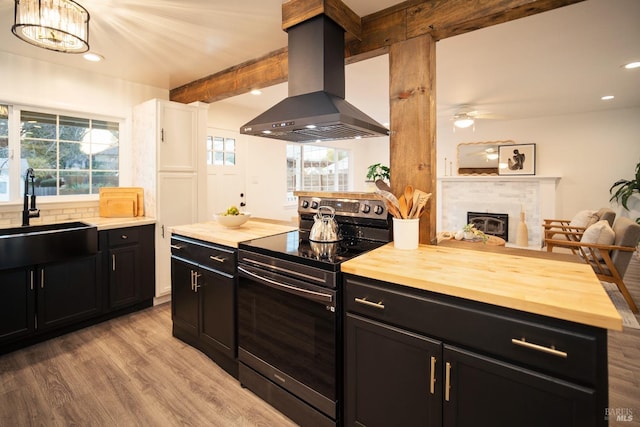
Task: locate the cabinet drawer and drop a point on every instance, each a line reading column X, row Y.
column 123, row 236
column 561, row 348
column 208, row 255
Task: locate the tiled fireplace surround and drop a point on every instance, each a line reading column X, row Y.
column 498, row 194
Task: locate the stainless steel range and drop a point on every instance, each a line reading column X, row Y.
column 290, row 304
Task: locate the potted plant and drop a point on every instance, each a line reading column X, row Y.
column 623, row 189
column 472, row 233
column 378, row 171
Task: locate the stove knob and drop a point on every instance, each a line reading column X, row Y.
column 366, row 209
column 304, row 204
column 314, row 205
column 379, row 210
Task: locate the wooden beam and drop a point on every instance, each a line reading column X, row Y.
column 266, row 71
column 447, row 18
column 380, row 31
column 412, row 149
column 297, row 11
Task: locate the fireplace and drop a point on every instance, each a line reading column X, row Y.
column 495, row 224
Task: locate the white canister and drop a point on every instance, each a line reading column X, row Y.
column 406, row 233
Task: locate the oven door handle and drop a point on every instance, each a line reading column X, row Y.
column 295, row 290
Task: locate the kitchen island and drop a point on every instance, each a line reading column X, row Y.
column 204, row 284
column 212, row 232
column 494, row 339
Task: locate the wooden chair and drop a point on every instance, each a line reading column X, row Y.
column 562, row 229
column 609, row 262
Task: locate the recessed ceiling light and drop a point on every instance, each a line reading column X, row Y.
column 256, row 92
column 93, row 57
column 632, row 65
column 607, row 97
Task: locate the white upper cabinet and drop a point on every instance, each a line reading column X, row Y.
column 177, row 131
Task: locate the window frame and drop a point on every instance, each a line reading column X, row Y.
column 14, row 146
column 299, row 169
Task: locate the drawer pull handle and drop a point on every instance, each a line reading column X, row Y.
column 178, row 247
column 124, row 237
column 549, row 350
column 366, row 302
column 432, row 382
column 217, row 258
column 447, row 381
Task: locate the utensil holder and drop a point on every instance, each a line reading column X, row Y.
column 406, row 233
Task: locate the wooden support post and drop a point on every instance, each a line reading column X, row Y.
column 412, row 70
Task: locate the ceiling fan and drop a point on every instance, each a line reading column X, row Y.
column 465, row 116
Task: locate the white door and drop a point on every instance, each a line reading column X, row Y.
column 225, row 171
column 177, row 205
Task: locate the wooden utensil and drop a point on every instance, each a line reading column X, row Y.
column 408, row 196
column 388, row 196
column 392, row 209
column 403, row 206
column 383, row 186
column 422, row 199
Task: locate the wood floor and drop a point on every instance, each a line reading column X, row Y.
column 131, row 372
column 624, row 358
column 125, row 372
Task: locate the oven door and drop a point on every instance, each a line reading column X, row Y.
column 287, row 331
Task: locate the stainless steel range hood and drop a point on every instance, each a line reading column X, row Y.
column 315, row 109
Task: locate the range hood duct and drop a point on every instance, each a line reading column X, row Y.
column 315, row 109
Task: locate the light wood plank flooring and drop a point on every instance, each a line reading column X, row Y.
column 125, row 372
column 624, row 358
column 131, row 372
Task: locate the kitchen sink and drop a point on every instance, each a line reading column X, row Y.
column 41, row 244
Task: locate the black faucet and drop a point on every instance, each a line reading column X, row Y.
column 29, row 211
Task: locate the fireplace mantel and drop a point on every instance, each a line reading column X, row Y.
column 535, row 195
column 508, row 178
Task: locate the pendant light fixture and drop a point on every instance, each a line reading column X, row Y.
column 60, row 25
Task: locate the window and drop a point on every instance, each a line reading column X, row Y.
column 221, row 151
column 69, row 155
column 315, row 168
column 4, row 153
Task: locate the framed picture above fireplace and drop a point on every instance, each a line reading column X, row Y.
column 519, row 159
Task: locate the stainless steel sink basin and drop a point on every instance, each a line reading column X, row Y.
column 41, row 244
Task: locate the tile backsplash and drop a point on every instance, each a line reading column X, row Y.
column 11, row 214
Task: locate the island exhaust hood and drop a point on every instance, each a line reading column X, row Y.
column 315, row 109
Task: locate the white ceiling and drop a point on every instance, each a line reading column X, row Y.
column 558, row 62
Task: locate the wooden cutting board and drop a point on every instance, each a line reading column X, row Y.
column 121, row 202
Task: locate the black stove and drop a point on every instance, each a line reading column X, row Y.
column 290, row 307
column 293, row 247
column 363, row 222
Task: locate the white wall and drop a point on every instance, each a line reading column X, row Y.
column 30, row 82
column 265, row 180
column 590, row 151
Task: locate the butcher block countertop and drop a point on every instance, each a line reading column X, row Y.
column 559, row 289
column 110, row 223
column 213, row 232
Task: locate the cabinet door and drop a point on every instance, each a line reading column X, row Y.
column 178, row 135
column 184, row 299
column 484, row 391
column 393, row 377
column 177, row 205
column 67, row 292
column 124, row 276
column 217, row 318
column 17, row 316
